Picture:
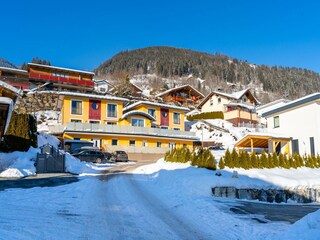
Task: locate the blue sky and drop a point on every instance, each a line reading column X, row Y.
column 83, row 34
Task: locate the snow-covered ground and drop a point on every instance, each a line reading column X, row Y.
column 21, row 164
column 159, row 201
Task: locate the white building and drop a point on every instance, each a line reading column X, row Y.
column 299, row 119
column 268, row 107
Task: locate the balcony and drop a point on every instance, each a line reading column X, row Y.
column 128, row 130
column 47, row 77
column 240, row 114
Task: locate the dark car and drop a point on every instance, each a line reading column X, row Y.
column 216, row 148
column 90, row 156
column 118, row 156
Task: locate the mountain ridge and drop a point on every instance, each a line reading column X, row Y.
column 217, row 70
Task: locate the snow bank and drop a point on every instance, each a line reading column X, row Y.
column 44, row 138
column 306, row 228
column 160, row 165
column 18, row 164
column 75, row 166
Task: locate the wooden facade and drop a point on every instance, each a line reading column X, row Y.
column 60, row 78
column 185, row 95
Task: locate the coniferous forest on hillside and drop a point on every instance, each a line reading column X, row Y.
column 216, row 69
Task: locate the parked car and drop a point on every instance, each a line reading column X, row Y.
column 107, row 155
column 216, row 148
column 90, row 156
column 118, row 156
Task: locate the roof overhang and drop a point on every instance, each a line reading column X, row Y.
column 260, row 140
column 140, row 113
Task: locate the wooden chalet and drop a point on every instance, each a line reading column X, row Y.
column 15, row 77
column 57, row 78
column 184, row 95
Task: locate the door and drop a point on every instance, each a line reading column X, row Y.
column 164, row 121
column 96, row 143
column 95, row 109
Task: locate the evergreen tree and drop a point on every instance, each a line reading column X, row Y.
column 263, row 160
column 221, row 163
column 227, row 159
column 270, row 161
column 254, row 160
column 234, row 158
column 281, row 161
column 275, row 160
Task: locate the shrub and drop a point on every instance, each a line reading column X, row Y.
column 181, row 155
column 206, row 115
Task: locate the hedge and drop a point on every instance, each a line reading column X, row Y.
column 266, row 160
column 21, row 133
column 200, row 157
column 205, row 115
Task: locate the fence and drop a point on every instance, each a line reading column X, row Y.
column 50, row 160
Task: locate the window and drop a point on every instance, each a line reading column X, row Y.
column 244, row 99
column 76, row 138
column 164, row 127
column 177, row 129
column 211, row 102
column 76, row 120
column 112, row 110
column 114, row 142
column 95, row 106
column 219, row 100
column 111, row 123
column 184, row 145
column 159, row 144
column 137, row 122
column 76, row 107
column 295, row 146
column 144, row 143
column 94, row 121
column 276, row 122
column 312, row 150
column 176, row 118
column 153, row 126
column 172, row 145
column 132, row 142
column 152, row 112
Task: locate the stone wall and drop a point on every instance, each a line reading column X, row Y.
column 37, row 101
column 300, row 195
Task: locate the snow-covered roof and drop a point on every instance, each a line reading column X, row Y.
column 14, row 70
column 195, row 111
column 136, row 112
column 60, row 68
column 95, row 96
column 11, row 88
column 293, row 104
column 155, row 104
column 235, row 95
column 240, row 105
column 178, row 88
column 282, row 100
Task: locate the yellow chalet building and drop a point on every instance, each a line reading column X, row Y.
column 141, row 127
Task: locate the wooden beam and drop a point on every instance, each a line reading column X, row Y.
column 251, row 140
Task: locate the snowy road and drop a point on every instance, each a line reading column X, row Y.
column 168, row 204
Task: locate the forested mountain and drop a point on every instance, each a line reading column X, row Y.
column 217, row 70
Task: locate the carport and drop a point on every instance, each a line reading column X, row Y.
column 272, row 142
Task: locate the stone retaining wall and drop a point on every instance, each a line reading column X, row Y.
column 37, row 101
column 300, row 195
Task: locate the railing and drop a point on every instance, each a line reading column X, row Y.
column 92, row 127
column 61, row 79
column 55, row 129
column 240, row 114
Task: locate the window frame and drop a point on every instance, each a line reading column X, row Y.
column 140, row 119
column 71, row 108
column 116, row 110
column 174, row 119
column 114, row 140
column 276, row 122
column 75, row 120
column 132, row 143
column 155, row 112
